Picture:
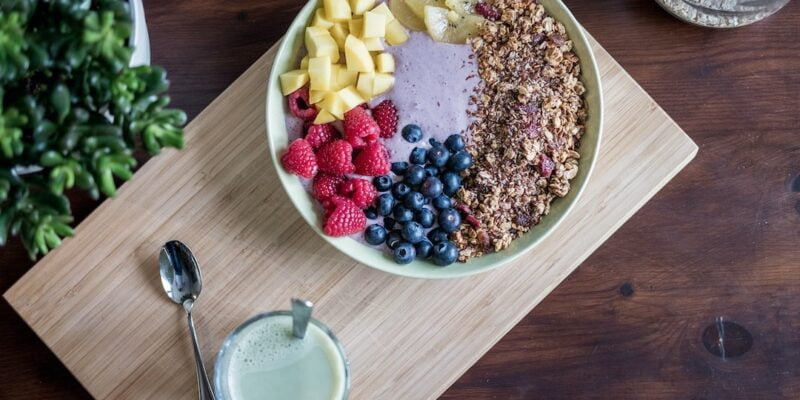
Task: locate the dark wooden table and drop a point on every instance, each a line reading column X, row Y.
column 722, row 240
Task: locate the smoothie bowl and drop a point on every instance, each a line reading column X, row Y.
column 434, row 138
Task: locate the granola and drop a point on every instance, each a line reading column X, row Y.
column 529, row 116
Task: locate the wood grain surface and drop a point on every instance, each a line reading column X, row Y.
column 720, row 240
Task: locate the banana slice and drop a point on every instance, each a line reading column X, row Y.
column 418, row 6
column 406, row 16
column 442, row 30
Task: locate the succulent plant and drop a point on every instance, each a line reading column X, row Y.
column 72, row 108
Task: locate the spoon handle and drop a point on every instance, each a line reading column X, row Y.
column 203, row 385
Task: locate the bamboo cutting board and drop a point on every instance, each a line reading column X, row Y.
column 97, row 302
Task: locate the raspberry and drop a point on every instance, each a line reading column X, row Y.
column 488, row 11
column 372, row 161
column 358, row 124
column 317, row 135
column 345, row 218
column 299, row 159
column 385, row 115
column 325, row 186
column 360, row 191
column 299, row 105
column 336, row 158
column 545, row 166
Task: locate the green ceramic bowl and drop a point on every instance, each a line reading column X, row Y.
column 277, row 137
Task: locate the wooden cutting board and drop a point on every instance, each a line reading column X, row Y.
column 97, row 302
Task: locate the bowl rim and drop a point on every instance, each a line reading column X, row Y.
column 379, row 260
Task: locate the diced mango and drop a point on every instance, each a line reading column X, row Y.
column 321, row 20
column 395, row 33
column 333, row 104
column 356, row 26
column 337, row 10
column 304, row 62
column 357, row 55
column 382, row 83
column 293, row 80
column 320, row 43
column 315, row 96
column 346, row 77
column 384, row 9
column 374, row 25
column 373, row 44
column 365, row 82
column 339, row 31
column 350, row 97
column 384, row 62
column 323, row 117
column 319, row 72
column 361, row 6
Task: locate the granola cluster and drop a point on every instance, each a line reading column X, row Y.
column 529, row 116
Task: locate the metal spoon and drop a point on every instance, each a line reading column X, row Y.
column 181, row 279
column 301, row 316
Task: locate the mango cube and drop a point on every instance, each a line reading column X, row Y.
column 304, row 62
column 315, row 96
column 384, row 9
column 357, row 55
column 365, row 82
column 384, row 62
column 356, row 26
column 337, row 10
column 339, row 31
column 319, row 72
column 346, row 77
column 361, row 6
column 395, row 33
column 323, row 117
column 373, row 44
column 382, row 83
column 374, row 25
column 320, row 43
column 293, row 80
column 333, row 104
column 350, row 97
column 321, row 20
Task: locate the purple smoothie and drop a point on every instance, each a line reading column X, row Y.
column 433, row 83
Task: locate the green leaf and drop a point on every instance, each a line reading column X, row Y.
column 59, row 99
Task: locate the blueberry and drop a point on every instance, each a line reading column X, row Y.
column 375, row 234
column 444, row 253
column 454, row 142
column 460, row 161
column 389, row 223
column 399, row 168
column 434, row 142
column 393, row 238
column 382, row 183
column 451, row 182
column 400, row 190
column 437, row 235
column 431, row 171
column 371, row 213
column 414, row 175
column 402, row 214
column 427, row 201
column 425, row 217
column 414, row 200
column 404, row 253
column 384, row 204
column 442, row 202
column 424, row 249
column 413, row 232
column 432, row 187
column 412, row 133
column 418, row 156
column 449, row 220
column 438, row 156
